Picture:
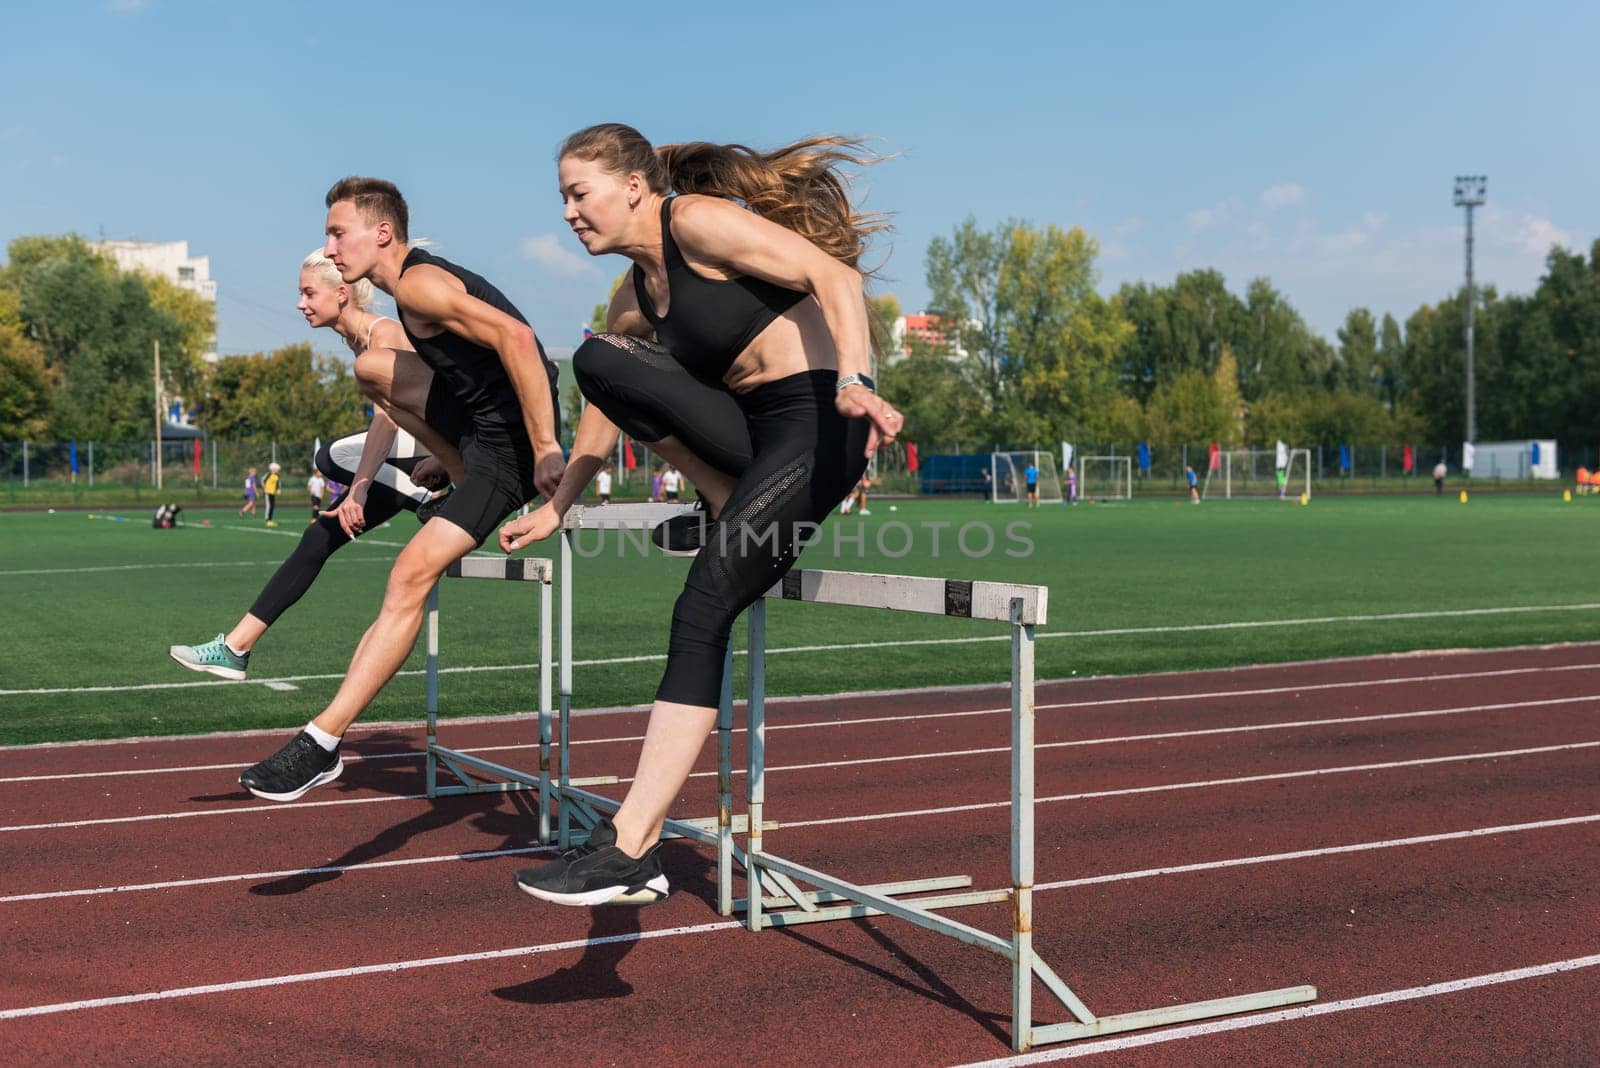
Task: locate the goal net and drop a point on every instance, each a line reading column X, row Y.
column 1008, row 476
column 1245, row 474
column 1105, row 478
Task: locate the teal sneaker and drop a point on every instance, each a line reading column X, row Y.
column 214, row 658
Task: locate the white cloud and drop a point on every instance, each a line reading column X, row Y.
column 1536, row 235
column 1281, row 196
column 1344, row 242
column 1374, row 220
column 546, row 250
column 1206, row 218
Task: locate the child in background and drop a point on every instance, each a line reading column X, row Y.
column 250, row 488
column 316, row 485
column 270, row 486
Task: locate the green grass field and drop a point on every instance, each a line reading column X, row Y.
column 95, row 603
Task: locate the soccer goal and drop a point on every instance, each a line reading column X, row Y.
column 1105, row 478
column 1245, row 474
column 1008, row 482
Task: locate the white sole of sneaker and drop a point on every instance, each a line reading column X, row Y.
column 653, row 891
column 326, row 777
column 210, row 669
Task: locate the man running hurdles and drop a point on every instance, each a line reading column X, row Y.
column 469, row 341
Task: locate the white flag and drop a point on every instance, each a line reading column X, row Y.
column 1467, row 455
column 1066, row 456
column 1283, row 456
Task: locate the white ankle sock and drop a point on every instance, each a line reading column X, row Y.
column 330, row 742
column 235, row 652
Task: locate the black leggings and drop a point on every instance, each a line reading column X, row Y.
column 794, row 456
column 391, row 492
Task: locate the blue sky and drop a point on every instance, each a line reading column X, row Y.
column 1312, row 145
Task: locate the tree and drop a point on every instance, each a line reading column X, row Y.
column 1275, row 347
column 96, row 328
column 289, row 394
column 1358, row 370
column 1045, row 350
column 25, row 382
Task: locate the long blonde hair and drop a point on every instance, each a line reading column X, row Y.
column 801, row 186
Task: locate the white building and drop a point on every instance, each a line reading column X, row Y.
column 928, row 329
column 169, row 260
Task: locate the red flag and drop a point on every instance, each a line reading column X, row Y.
column 628, row 461
column 911, row 458
column 1215, row 462
column 1409, row 461
column 196, row 457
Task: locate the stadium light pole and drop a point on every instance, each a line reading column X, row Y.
column 1470, row 192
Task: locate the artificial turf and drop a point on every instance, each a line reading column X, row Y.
column 89, row 604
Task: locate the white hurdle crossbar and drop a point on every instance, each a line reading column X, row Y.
column 466, row 768
column 584, row 806
column 1023, row 607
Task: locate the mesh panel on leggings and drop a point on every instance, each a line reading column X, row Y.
column 776, row 491
column 643, row 351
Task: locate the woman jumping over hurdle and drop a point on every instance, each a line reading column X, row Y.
column 385, row 469
column 757, row 392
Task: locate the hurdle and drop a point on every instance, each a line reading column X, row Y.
column 1023, row 608
column 576, row 803
column 470, row 771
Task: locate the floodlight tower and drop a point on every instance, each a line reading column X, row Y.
column 1471, row 190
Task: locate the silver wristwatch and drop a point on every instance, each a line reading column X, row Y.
column 855, row 380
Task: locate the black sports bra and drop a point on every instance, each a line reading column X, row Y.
column 709, row 321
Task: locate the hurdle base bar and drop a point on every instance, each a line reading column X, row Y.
column 1043, row 1034
column 587, row 807
column 456, row 762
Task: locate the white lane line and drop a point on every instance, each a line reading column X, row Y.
column 355, row 758
column 1195, row 785
column 706, row 928
column 229, row 811
column 156, row 567
column 1324, row 1008
column 280, row 687
column 172, row 884
column 922, row 716
column 1089, row 880
column 1192, row 785
column 903, row 643
column 368, row 969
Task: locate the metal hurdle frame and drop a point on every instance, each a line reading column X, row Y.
column 583, row 806
column 464, row 765
column 1023, row 608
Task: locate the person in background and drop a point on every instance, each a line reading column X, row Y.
column 1072, row 484
column 316, row 486
column 602, row 484
column 1030, row 478
column 655, row 485
column 671, row 481
column 271, row 486
column 1439, row 471
column 1194, row 483
column 251, row 487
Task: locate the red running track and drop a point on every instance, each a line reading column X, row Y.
column 1417, row 836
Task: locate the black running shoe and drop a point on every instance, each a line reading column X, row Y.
column 684, row 534
column 299, row 766
column 431, row 507
column 598, row 873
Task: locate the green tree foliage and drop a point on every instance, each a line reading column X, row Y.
column 96, row 328
column 1358, row 369
column 1042, row 345
column 289, row 394
column 25, row 382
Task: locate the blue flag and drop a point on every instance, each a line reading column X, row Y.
column 72, row 452
column 1144, row 456
column 1344, row 457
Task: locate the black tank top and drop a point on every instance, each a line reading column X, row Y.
column 474, row 373
column 709, row 321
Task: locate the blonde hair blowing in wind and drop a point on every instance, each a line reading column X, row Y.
column 802, row 186
column 361, row 291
